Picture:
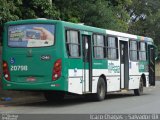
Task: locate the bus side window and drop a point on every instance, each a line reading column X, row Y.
column 142, row 51
column 73, row 43
column 112, row 48
column 133, row 46
column 99, row 47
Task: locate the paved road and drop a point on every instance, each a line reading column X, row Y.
column 114, row 103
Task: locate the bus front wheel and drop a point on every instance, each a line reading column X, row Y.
column 139, row 91
column 52, row 96
column 101, row 90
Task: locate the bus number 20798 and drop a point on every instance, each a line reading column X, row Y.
column 19, row 68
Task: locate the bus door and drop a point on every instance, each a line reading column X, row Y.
column 87, row 63
column 124, row 65
column 151, row 57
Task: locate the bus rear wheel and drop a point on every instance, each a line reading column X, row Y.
column 139, row 91
column 101, row 90
column 54, row 96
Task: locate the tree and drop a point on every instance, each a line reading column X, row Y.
column 38, row 8
column 26, row 9
column 8, row 11
column 98, row 13
column 145, row 20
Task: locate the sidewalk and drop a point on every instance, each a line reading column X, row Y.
column 20, row 99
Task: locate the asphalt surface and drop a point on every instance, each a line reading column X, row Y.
column 124, row 102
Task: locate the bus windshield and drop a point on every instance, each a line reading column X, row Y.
column 31, row 35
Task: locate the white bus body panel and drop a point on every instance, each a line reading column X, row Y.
column 75, row 81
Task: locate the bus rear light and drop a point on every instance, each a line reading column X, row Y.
column 57, row 69
column 6, row 71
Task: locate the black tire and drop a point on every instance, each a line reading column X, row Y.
column 139, row 91
column 101, row 90
column 54, row 96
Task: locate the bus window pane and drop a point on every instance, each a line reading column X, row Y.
column 133, row 45
column 142, row 55
column 98, row 46
column 112, row 48
column 68, row 37
column 98, row 40
column 73, row 46
column 112, row 42
column 142, row 52
column 133, row 50
column 95, row 40
column 73, row 37
column 74, row 50
column 142, row 46
column 31, row 35
column 133, row 55
column 99, row 52
column 112, row 53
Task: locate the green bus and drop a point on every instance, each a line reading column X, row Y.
column 58, row 57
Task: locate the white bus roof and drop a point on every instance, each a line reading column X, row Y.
column 126, row 35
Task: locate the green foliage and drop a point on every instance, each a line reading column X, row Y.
column 145, row 17
column 38, row 8
column 98, row 13
column 26, row 9
column 8, row 10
